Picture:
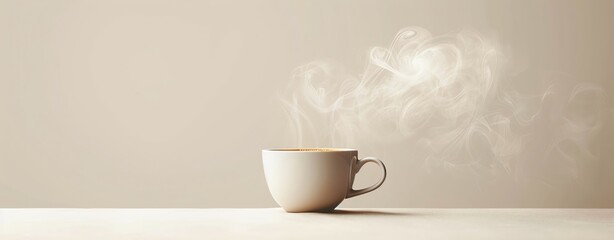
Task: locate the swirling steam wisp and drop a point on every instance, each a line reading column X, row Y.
column 445, row 97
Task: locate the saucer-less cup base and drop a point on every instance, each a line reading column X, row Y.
column 313, row 180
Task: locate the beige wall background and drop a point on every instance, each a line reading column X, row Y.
column 168, row 103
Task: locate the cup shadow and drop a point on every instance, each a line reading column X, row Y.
column 370, row 213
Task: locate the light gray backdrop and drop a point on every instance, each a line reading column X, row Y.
column 168, row 103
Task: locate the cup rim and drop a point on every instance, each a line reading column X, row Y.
column 310, row 150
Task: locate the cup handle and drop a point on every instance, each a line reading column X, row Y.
column 357, row 167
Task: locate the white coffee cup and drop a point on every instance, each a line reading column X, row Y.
column 314, row 179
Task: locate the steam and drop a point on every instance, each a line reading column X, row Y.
column 445, row 100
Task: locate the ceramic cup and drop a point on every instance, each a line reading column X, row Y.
column 314, row 179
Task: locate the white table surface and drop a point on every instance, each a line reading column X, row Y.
column 274, row 223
